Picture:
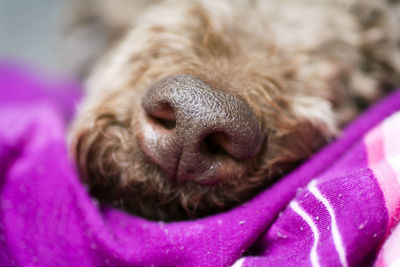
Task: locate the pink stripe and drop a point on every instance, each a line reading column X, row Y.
column 388, row 183
column 374, row 145
column 380, row 261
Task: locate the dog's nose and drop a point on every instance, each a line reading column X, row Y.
column 195, row 132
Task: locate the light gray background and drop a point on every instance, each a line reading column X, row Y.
column 30, row 32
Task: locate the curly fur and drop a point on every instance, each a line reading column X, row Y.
column 305, row 68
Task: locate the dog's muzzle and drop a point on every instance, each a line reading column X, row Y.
column 195, row 132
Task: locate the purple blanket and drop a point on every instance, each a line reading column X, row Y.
column 336, row 209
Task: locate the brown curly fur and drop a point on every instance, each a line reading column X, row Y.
column 305, row 67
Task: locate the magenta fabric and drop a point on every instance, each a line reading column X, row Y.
column 47, row 217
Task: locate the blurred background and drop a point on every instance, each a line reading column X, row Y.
column 30, row 33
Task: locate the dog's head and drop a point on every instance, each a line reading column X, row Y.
column 197, row 110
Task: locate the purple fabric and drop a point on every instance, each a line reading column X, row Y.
column 47, row 217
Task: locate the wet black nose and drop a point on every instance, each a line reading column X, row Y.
column 195, row 132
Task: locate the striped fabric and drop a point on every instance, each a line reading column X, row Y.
column 345, row 212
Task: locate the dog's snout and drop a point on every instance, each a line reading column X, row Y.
column 195, row 132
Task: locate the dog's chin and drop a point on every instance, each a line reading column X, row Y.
column 125, row 177
column 131, row 180
column 152, row 194
column 169, row 200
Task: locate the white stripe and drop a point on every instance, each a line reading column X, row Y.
column 337, row 239
column 395, row 263
column 393, row 121
column 394, row 162
column 238, row 263
column 391, row 130
column 309, row 221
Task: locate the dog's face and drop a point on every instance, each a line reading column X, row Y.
column 201, row 106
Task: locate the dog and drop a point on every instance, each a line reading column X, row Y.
column 196, row 106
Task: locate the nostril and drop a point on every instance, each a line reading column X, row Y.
column 165, row 123
column 164, row 116
column 217, row 144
